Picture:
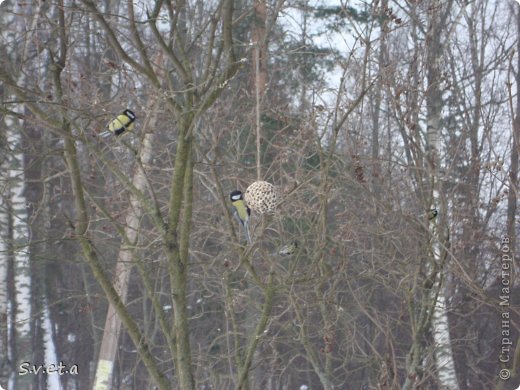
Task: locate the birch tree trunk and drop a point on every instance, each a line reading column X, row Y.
column 433, row 310
column 15, row 293
column 17, row 251
column 4, row 296
column 446, row 374
column 51, row 354
column 16, row 185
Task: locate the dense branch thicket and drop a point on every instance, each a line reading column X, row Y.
column 364, row 117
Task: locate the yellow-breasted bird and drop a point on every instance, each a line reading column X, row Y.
column 242, row 212
column 121, row 124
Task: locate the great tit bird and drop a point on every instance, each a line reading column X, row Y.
column 119, row 125
column 242, row 212
column 432, row 213
column 289, row 249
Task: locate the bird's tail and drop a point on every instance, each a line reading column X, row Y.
column 246, row 232
column 105, row 134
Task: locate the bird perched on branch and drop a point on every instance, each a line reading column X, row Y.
column 242, row 212
column 289, row 249
column 123, row 123
column 432, row 213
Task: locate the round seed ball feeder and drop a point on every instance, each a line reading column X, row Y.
column 261, row 197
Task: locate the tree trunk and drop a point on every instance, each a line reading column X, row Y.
column 4, row 259
column 433, row 312
column 446, row 374
column 176, row 243
column 513, row 187
column 112, row 329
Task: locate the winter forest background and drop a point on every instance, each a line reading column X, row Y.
column 121, row 258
